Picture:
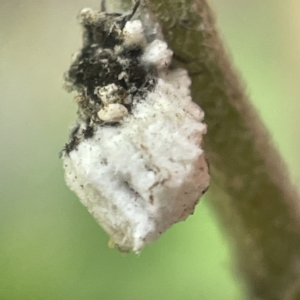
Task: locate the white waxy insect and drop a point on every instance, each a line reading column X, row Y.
column 135, row 158
column 133, row 33
column 112, row 112
column 109, row 94
column 158, row 54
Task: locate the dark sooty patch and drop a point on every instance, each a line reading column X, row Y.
column 99, row 64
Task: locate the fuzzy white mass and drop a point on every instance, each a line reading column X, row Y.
column 134, row 33
column 139, row 178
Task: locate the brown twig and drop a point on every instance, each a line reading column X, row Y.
column 250, row 190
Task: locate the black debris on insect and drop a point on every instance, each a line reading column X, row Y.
column 73, row 141
column 103, row 60
column 88, row 132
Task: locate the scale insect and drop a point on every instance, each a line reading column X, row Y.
column 134, row 157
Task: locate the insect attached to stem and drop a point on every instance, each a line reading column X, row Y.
column 134, row 157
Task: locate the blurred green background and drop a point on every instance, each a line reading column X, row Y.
column 50, row 247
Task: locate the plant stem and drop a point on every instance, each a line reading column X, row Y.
column 250, row 189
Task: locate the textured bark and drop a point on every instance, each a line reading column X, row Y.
column 250, row 191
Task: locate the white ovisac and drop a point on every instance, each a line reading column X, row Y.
column 139, row 178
